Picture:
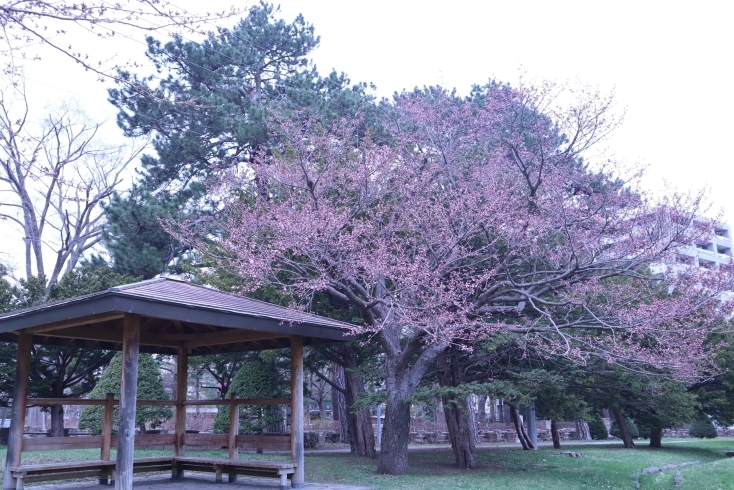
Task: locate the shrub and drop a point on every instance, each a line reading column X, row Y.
column 702, row 428
column 631, row 428
column 597, row 429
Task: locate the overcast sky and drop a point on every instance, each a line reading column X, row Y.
column 669, row 63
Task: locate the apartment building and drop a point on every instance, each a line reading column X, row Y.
column 711, row 253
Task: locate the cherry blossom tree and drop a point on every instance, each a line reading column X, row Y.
column 458, row 219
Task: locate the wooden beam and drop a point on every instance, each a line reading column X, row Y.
column 92, row 332
column 297, row 410
column 128, row 394
column 17, row 417
column 51, row 402
column 232, row 336
column 101, row 317
column 240, row 401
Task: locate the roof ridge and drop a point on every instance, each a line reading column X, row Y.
column 235, row 295
column 137, row 284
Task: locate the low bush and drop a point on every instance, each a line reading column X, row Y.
column 702, row 429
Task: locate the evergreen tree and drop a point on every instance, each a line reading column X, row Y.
column 716, row 395
column 597, row 428
column 210, row 110
column 150, row 387
column 257, row 378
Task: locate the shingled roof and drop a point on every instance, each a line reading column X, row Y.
column 173, row 313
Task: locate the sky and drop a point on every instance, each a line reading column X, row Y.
column 668, row 63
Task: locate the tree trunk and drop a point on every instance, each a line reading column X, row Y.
column 141, row 428
column 402, row 377
column 339, row 404
column 481, row 410
column 520, row 429
column 361, row 436
column 322, row 408
column 582, row 430
column 555, row 435
column 456, row 411
column 395, row 431
column 57, row 421
column 623, row 432
column 656, row 437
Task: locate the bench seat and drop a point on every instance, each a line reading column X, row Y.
column 105, row 470
column 82, row 469
column 234, row 467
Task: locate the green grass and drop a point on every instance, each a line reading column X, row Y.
column 601, row 467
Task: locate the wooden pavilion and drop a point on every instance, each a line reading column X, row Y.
column 168, row 317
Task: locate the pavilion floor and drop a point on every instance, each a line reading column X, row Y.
column 196, row 482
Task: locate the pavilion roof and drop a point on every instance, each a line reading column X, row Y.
column 173, row 314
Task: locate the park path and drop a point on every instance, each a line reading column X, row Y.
column 198, row 482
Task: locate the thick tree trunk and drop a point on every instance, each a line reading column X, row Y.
column 527, row 445
column 656, row 437
column 555, row 435
column 623, row 432
column 456, row 411
column 395, row 431
column 403, row 374
column 57, row 421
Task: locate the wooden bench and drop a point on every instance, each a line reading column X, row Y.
column 105, row 470
column 233, row 467
column 83, row 469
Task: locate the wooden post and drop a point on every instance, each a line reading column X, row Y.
column 299, row 479
column 128, row 395
column 107, row 432
column 182, row 388
column 20, row 398
column 234, row 428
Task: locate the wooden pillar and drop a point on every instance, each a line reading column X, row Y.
column 234, row 428
column 128, row 396
column 109, row 407
column 297, row 410
column 20, row 398
column 182, row 386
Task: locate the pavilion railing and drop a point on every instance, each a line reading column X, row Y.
column 232, row 441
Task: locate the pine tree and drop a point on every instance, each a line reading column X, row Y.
column 210, row 111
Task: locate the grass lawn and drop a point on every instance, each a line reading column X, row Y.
column 601, row 467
